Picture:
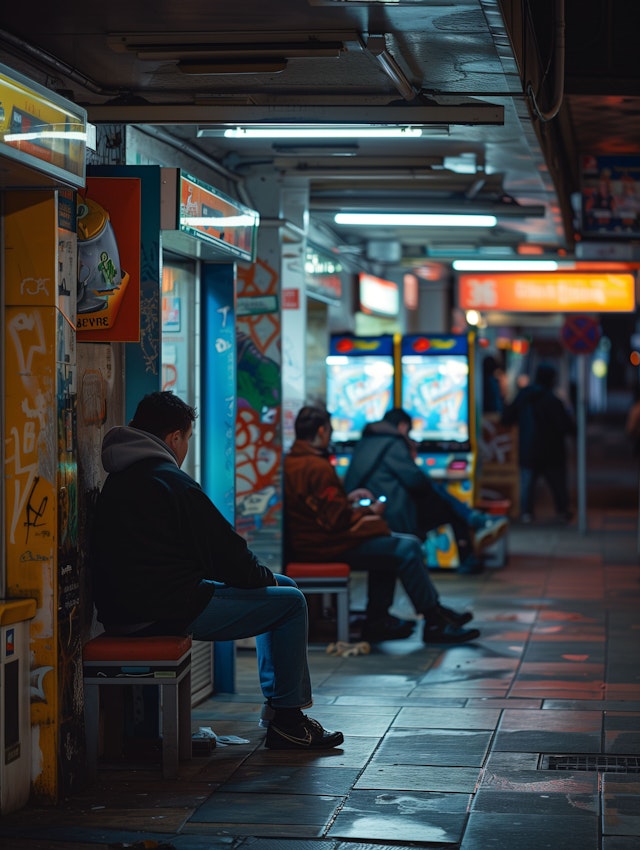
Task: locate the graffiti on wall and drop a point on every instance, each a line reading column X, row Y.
column 258, row 438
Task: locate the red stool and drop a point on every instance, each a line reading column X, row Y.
column 164, row 661
column 331, row 577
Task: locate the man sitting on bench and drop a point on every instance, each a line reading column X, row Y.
column 322, row 522
column 165, row 561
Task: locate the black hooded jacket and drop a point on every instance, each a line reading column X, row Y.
column 383, row 462
column 156, row 536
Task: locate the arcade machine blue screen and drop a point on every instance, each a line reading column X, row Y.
column 359, row 390
column 435, row 393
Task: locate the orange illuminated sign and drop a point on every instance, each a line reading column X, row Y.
column 549, row 292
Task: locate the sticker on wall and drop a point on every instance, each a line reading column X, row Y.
column 9, row 643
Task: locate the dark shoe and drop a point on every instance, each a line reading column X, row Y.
column 307, row 734
column 458, row 619
column 391, row 628
column 448, row 634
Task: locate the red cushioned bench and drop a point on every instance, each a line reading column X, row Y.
column 331, row 577
column 163, row 661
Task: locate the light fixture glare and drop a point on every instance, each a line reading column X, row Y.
column 505, row 265
column 327, row 132
column 416, row 219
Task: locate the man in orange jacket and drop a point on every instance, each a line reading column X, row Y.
column 322, row 520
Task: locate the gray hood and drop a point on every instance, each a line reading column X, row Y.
column 122, row 446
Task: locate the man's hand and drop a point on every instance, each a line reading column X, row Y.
column 361, row 493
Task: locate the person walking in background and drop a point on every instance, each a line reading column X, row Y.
column 384, row 463
column 324, row 521
column 493, row 381
column 544, row 423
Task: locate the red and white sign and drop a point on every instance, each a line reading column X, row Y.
column 581, row 334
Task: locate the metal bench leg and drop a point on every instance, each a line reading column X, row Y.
column 342, row 614
column 184, row 707
column 169, row 730
column 92, row 727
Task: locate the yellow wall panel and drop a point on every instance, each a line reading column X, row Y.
column 31, row 229
column 32, row 342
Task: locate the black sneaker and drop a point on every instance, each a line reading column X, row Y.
column 389, row 628
column 448, row 634
column 458, row 619
column 307, row 734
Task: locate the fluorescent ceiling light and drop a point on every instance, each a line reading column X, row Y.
column 355, row 132
column 416, row 219
column 505, row 265
column 462, row 163
column 219, row 222
column 209, row 67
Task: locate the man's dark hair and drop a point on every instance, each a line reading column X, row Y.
column 163, row 413
column 309, row 420
column 397, row 416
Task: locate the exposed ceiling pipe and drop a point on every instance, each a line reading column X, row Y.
column 558, row 68
column 50, row 62
column 53, row 64
column 186, row 147
column 377, row 47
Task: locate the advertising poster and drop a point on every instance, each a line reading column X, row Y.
column 611, row 196
column 108, row 227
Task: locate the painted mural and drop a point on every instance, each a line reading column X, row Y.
column 258, row 420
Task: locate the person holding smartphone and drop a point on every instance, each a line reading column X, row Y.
column 323, row 520
column 384, row 462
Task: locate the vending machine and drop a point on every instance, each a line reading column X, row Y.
column 437, row 391
column 360, row 388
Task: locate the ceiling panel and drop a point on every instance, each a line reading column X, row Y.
column 180, row 66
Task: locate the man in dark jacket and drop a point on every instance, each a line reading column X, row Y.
column 544, row 423
column 165, row 561
column 324, row 523
column 383, row 463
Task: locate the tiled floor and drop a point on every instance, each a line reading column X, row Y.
column 443, row 748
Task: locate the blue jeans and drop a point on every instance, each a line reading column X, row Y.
column 277, row 617
column 386, row 559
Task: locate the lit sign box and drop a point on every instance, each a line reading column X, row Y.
column 41, row 129
column 322, row 276
column 378, row 297
column 550, row 292
column 208, row 215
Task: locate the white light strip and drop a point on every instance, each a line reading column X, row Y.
column 219, row 222
column 505, row 265
column 323, row 133
column 39, row 135
column 416, row 219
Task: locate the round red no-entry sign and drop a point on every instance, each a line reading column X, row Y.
column 581, row 334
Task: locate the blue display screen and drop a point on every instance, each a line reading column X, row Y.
column 359, row 390
column 435, row 393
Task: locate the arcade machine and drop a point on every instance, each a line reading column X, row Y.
column 437, row 391
column 360, row 388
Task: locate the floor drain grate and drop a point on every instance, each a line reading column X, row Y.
column 596, row 762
